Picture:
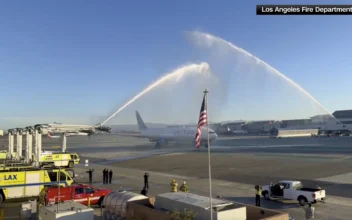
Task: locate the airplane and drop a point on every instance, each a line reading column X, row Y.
column 182, row 134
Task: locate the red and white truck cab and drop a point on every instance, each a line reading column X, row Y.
column 78, row 193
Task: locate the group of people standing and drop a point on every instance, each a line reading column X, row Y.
column 174, row 184
column 107, row 176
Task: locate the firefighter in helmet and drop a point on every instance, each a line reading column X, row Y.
column 183, row 187
column 173, row 185
column 42, row 195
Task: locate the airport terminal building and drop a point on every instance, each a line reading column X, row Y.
column 344, row 116
column 340, row 121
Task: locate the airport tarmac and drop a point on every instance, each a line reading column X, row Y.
column 326, row 162
column 237, row 164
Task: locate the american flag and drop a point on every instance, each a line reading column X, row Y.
column 202, row 121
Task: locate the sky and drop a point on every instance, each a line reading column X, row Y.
column 78, row 61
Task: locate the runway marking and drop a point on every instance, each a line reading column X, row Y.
column 345, row 158
column 173, row 176
column 342, row 178
column 168, row 154
column 138, row 156
column 215, row 147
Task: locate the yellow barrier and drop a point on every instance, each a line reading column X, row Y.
column 88, row 201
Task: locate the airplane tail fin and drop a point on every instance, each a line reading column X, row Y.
column 141, row 125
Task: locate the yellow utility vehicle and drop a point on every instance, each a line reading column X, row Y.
column 27, row 183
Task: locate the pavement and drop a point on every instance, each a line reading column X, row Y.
column 132, row 180
column 237, row 165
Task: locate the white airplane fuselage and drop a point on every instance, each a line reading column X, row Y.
column 180, row 134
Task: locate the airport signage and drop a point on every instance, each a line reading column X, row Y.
column 10, row 177
column 304, row 9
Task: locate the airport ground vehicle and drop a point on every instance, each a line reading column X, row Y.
column 47, row 159
column 59, row 159
column 78, row 192
column 75, row 157
column 15, row 167
column 293, row 190
column 3, row 155
column 28, row 182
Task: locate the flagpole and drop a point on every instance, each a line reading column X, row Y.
column 209, row 165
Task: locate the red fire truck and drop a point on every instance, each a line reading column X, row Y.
column 78, row 193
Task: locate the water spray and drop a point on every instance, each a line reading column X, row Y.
column 209, row 40
column 176, row 74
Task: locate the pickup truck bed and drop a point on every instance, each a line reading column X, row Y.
column 309, row 189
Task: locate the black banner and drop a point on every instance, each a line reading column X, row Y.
column 304, row 9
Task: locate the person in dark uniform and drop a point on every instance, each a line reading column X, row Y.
column 144, row 191
column 146, row 180
column 107, row 176
column 90, row 173
column 110, row 176
column 104, row 175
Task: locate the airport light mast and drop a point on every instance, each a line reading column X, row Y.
column 19, row 133
column 11, row 133
column 29, row 142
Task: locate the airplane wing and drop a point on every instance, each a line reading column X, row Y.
column 53, row 136
column 136, row 135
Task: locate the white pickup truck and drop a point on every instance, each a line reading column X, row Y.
column 293, row 190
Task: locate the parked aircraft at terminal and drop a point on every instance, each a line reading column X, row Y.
column 181, row 134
